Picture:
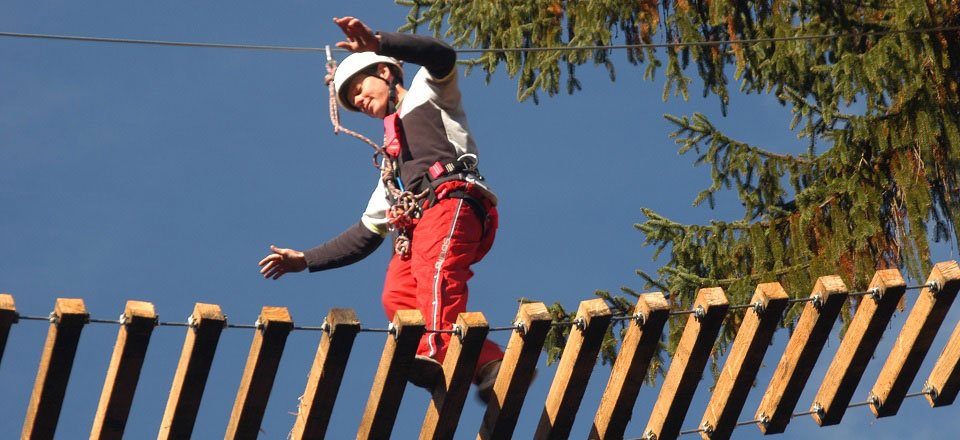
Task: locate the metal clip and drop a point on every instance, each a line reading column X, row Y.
column 876, row 293
column 759, row 308
column 330, row 61
column 392, row 329
column 123, row 319
column 707, row 429
column 817, row 301
column 817, row 408
column 650, row 435
column 458, row 330
column 874, row 400
column 521, row 327
column 764, row 419
column 931, row 391
column 639, row 319
column 54, row 318
column 259, row 325
column 325, row 327
column 933, row 287
column 699, row 313
column 192, row 323
column 580, row 323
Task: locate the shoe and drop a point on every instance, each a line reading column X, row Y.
column 424, row 372
column 486, row 378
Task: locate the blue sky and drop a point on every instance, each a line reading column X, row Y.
column 163, row 174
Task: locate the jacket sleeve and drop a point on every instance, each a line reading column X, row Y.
column 436, row 56
column 349, row 247
column 357, row 242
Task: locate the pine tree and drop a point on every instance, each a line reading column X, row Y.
column 865, row 190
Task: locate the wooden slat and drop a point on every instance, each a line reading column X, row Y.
column 124, row 371
column 459, row 365
column 944, row 381
column 256, row 383
column 192, row 371
column 856, row 349
column 323, row 383
column 630, row 369
column 70, row 315
column 740, row 369
column 8, row 317
column 800, row 355
column 687, row 364
column 391, row 379
column 915, row 339
column 516, row 372
column 573, row 371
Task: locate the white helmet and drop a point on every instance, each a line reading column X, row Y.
column 354, row 64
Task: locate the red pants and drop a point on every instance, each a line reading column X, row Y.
column 447, row 240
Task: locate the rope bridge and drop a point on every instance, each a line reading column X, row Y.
column 528, row 333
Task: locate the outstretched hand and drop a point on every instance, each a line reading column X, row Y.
column 282, row 261
column 360, row 38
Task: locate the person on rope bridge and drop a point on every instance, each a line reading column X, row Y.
column 430, row 193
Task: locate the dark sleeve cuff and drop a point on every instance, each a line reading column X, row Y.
column 349, row 247
column 436, row 56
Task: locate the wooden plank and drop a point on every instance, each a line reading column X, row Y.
column 139, row 319
column 313, row 416
column 8, row 317
column 630, row 369
column 573, row 371
column 857, row 347
column 915, row 339
column 56, row 362
column 516, row 372
column 207, row 321
column 274, row 325
column 459, row 365
column 944, row 381
column 800, row 355
column 391, row 379
column 687, row 364
column 743, row 362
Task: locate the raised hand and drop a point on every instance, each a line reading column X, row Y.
column 360, row 38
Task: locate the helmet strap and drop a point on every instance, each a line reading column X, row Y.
column 392, row 97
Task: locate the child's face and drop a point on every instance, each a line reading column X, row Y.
column 371, row 93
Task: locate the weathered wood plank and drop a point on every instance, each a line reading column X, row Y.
column 857, row 347
column 274, row 325
column 573, row 371
column 391, row 379
column 800, row 355
column 630, row 369
column 742, row 364
column 688, row 363
column 8, row 317
column 207, row 321
column 459, row 364
column 516, row 372
column 56, row 362
column 944, row 381
column 139, row 319
column 915, row 339
column 323, row 383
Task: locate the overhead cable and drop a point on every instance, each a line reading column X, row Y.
column 679, row 44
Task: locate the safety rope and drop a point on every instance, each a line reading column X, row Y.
column 335, row 112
